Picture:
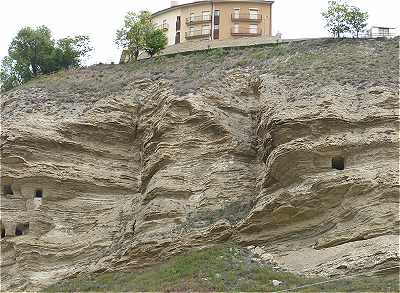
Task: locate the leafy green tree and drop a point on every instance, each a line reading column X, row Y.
column 32, row 48
column 155, row 41
column 8, row 74
column 132, row 36
column 68, row 51
column 356, row 20
column 336, row 18
column 33, row 52
column 140, row 34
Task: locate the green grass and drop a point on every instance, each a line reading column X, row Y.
column 221, row 268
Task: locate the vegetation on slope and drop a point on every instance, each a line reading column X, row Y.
column 310, row 64
column 34, row 52
column 221, row 268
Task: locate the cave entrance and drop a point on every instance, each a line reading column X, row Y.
column 3, row 231
column 7, row 190
column 39, row 193
column 22, row 229
column 338, row 163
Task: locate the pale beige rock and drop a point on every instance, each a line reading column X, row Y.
column 144, row 173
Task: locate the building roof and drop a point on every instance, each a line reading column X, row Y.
column 385, row 27
column 206, row 1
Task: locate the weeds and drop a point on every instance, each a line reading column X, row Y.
column 320, row 61
column 220, row 268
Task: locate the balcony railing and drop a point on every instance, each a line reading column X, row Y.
column 202, row 33
column 198, row 19
column 164, row 26
column 381, row 35
column 370, row 35
column 247, row 17
column 246, row 31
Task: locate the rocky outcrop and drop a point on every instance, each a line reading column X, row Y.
column 122, row 175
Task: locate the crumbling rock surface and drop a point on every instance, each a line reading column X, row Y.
column 145, row 172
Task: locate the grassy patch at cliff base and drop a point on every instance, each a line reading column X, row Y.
column 221, row 268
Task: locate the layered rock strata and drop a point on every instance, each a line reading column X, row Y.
column 307, row 171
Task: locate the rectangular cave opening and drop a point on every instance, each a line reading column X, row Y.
column 39, row 193
column 7, row 190
column 22, row 229
column 338, row 163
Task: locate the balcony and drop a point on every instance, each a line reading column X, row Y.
column 205, row 18
column 246, row 31
column 198, row 34
column 251, row 17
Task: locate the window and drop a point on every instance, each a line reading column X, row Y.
column 164, row 24
column 192, row 17
column 178, row 37
column 253, row 29
column 192, row 31
column 39, row 193
column 383, row 32
column 338, row 163
column 206, row 15
column 206, row 30
column 236, row 13
column 216, row 34
column 216, row 17
column 236, row 28
column 216, row 27
column 178, row 23
column 7, row 190
column 253, row 13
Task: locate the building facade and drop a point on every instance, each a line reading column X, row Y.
column 215, row 20
column 381, row 32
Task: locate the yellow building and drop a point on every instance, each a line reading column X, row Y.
column 215, row 20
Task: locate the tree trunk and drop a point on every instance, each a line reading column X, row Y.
column 34, row 62
column 34, row 69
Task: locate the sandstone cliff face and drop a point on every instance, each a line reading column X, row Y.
column 113, row 167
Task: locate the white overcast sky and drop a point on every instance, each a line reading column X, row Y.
column 101, row 18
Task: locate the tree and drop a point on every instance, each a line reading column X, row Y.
column 155, row 41
column 69, row 50
column 8, row 74
column 132, row 36
column 31, row 48
column 342, row 18
column 336, row 18
column 140, row 34
column 356, row 20
column 33, row 52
